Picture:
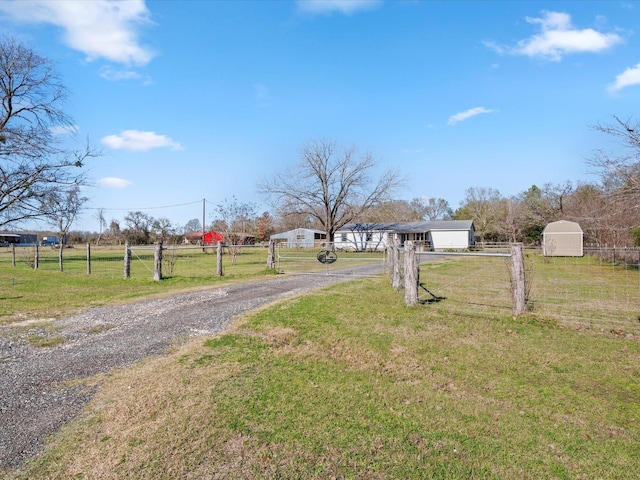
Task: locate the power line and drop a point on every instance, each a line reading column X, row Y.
column 144, row 208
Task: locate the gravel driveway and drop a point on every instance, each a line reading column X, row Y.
column 35, row 400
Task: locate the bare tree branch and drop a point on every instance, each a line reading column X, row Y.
column 333, row 186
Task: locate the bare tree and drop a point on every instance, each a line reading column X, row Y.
column 329, row 184
column 485, row 206
column 33, row 161
column 193, row 225
column 391, row 211
column 234, row 219
column 163, row 229
column 432, row 208
column 138, row 227
column 620, row 171
column 62, row 208
column 102, row 222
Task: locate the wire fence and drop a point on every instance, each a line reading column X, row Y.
column 109, row 261
column 599, row 290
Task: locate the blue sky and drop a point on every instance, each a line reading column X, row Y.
column 193, row 100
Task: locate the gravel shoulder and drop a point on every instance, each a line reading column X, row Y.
column 37, row 392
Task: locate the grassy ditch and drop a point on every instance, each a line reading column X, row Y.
column 350, row 383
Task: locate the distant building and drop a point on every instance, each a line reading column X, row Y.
column 301, row 238
column 7, row 239
column 562, row 239
column 198, row 238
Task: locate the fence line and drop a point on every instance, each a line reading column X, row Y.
column 599, row 290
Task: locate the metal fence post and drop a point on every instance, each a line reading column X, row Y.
column 88, row 258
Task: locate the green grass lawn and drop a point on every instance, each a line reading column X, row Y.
column 348, row 382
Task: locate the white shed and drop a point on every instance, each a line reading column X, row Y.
column 562, row 239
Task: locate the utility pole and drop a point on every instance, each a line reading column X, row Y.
column 203, row 215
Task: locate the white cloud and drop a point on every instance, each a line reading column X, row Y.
column 628, row 78
column 99, row 28
column 113, row 182
column 346, row 7
column 139, row 141
column 472, row 112
column 558, row 37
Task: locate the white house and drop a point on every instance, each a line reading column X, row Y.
column 301, row 238
column 428, row 235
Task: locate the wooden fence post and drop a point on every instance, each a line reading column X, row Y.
column 13, row 255
column 390, row 242
column 410, row 274
column 157, row 262
column 518, row 285
column 36, row 258
column 88, row 258
column 219, row 260
column 396, row 278
column 127, row 260
column 271, row 263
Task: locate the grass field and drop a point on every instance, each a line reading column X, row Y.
column 350, row 383
column 26, row 293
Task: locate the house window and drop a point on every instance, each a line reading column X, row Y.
column 299, row 237
column 344, row 237
column 369, row 237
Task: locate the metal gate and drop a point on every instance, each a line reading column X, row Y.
column 297, row 260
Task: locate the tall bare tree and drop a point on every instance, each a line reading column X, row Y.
column 432, row 208
column 485, row 206
column 331, row 184
column 63, row 208
column 619, row 170
column 102, row 222
column 33, row 161
column 234, row 220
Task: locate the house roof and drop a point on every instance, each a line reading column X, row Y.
column 410, row 227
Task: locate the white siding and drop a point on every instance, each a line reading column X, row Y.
column 443, row 240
